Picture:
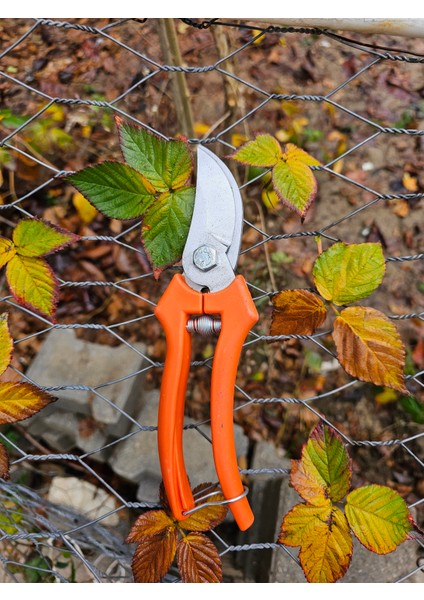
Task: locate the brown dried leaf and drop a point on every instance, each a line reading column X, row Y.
column 198, row 559
column 153, row 556
column 370, row 348
column 20, row 401
column 150, row 524
column 208, row 517
column 4, row 463
column 297, row 312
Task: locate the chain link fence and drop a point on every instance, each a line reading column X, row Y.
column 356, row 103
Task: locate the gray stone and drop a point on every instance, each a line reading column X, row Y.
column 368, row 567
column 114, row 372
column 57, row 429
column 93, row 443
column 136, row 458
column 269, row 496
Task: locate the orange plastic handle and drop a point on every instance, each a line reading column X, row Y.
column 238, row 314
column 173, row 311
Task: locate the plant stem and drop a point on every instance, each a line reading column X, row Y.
column 172, row 56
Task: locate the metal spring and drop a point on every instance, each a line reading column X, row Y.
column 204, row 325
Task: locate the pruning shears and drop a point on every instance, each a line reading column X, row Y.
column 206, row 298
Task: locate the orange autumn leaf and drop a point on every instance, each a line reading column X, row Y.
column 369, row 347
column 153, row 556
column 208, row 517
column 198, row 559
column 151, row 523
column 298, row 312
column 20, row 401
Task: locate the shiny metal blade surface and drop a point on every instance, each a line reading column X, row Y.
column 217, row 223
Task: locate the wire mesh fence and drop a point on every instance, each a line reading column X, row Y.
column 354, row 102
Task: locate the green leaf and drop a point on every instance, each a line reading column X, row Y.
column 6, row 344
column 263, row 151
column 293, row 180
column 33, row 284
column 34, row 238
column 413, row 407
column 167, row 165
column 115, row 189
column 347, row 273
column 324, row 469
column 165, row 226
column 379, row 517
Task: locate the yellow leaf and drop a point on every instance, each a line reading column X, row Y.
column 20, row 401
column 282, row 135
column 201, row 128
column 386, row 396
column 370, row 348
column 33, row 284
column 86, row 211
column 323, row 535
column 6, row 344
column 410, row 182
column 238, row 139
column 270, row 199
column 86, row 131
column 7, row 250
column 256, row 32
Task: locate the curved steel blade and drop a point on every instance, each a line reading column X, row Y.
column 217, row 223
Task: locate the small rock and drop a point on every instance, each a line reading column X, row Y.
column 85, row 498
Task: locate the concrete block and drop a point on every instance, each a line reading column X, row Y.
column 136, row 458
column 266, row 491
column 65, row 360
column 56, row 428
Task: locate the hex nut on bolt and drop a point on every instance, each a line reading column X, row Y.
column 204, row 258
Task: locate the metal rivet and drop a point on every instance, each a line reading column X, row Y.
column 204, row 258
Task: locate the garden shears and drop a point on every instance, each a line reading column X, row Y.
column 206, row 298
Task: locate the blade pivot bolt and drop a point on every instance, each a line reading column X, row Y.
column 204, row 257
